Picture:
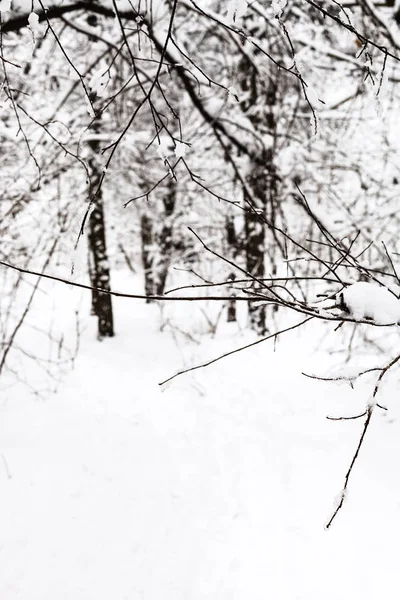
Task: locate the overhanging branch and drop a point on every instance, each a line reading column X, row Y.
column 15, row 24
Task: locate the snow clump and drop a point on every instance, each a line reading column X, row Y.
column 99, row 82
column 278, row 6
column 236, row 9
column 5, row 5
column 33, row 23
column 370, row 301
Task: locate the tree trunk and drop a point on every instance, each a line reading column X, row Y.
column 146, row 230
column 157, row 243
column 255, row 244
column 260, row 202
column 165, row 238
column 100, row 268
column 233, row 251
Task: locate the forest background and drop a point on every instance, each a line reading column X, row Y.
column 233, row 167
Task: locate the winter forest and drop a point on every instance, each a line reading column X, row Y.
column 200, row 299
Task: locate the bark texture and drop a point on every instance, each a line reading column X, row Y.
column 261, row 194
column 157, row 242
column 99, row 264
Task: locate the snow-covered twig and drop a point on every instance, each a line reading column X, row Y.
column 351, row 418
column 349, row 378
column 391, row 263
column 383, row 373
column 368, row 412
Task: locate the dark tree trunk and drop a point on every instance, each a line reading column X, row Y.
column 146, row 230
column 157, row 244
column 231, row 311
column 91, row 277
column 99, row 264
column 165, row 236
column 255, row 244
column 233, row 250
column 261, row 200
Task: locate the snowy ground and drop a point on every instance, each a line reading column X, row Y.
column 216, row 488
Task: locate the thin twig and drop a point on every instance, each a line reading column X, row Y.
column 347, row 477
column 214, row 360
column 368, row 412
column 391, row 264
column 342, row 377
column 122, row 294
column 352, row 418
